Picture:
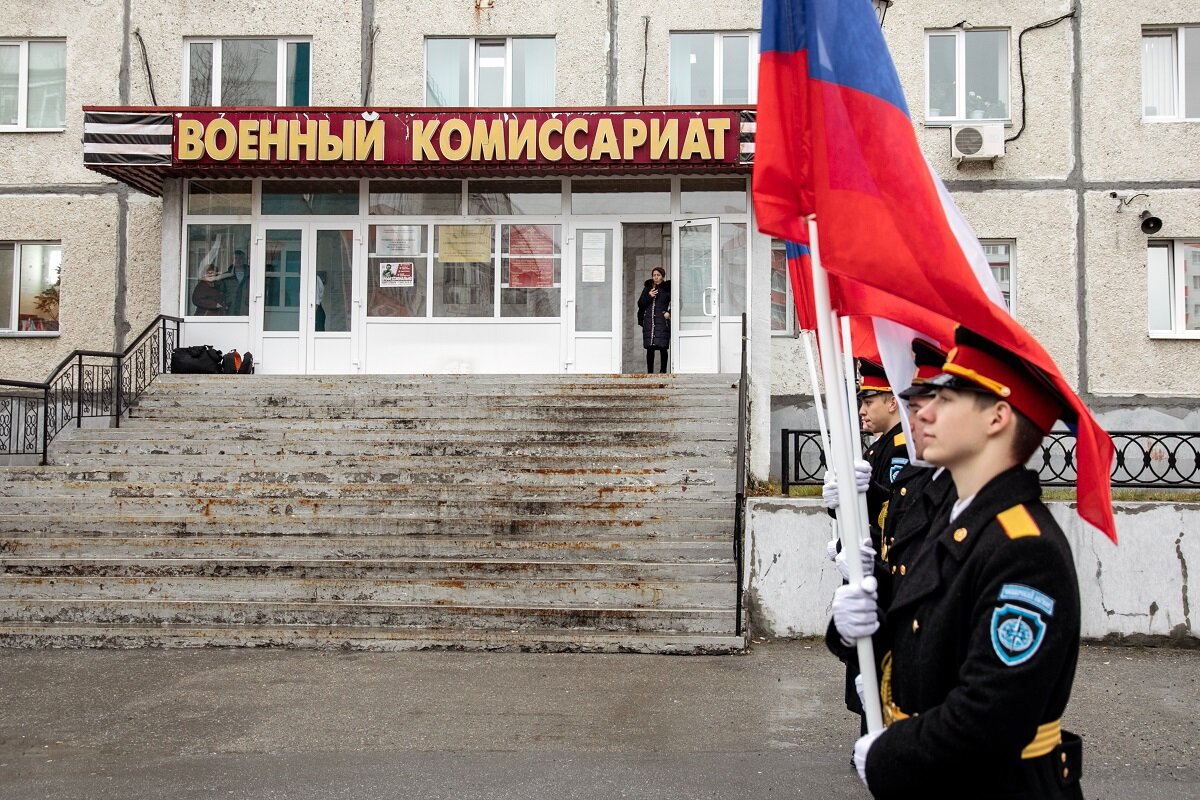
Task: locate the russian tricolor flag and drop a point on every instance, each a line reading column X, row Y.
column 834, row 140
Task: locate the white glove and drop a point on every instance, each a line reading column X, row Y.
column 829, row 492
column 866, row 556
column 829, row 489
column 858, row 687
column 854, row 610
column 861, row 748
column 831, row 549
column 862, row 476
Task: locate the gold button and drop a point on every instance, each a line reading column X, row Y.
column 903, row 570
column 916, row 625
column 903, row 491
column 1064, row 757
column 893, row 569
column 1066, row 772
column 960, row 534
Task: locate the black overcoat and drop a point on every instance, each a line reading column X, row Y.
column 656, row 328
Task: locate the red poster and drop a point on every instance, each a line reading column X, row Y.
column 531, row 240
column 531, row 273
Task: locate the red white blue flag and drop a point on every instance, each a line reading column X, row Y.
column 834, row 140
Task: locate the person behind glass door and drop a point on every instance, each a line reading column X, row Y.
column 320, row 295
column 235, row 285
column 654, row 315
column 206, row 297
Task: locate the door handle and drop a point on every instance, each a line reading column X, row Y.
column 709, row 306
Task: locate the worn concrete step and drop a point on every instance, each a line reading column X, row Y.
column 373, row 569
column 319, row 508
column 369, row 439
column 420, row 588
column 197, row 413
column 413, row 616
column 579, row 458
column 415, row 385
column 452, row 470
column 58, row 545
column 368, row 639
column 226, row 428
column 628, row 450
column 699, row 488
column 492, row 525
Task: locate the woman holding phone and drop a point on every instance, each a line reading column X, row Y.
column 654, row 315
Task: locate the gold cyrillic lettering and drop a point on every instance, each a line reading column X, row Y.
column 695, row 142
column 664, row 137
column 574, row 128
column 220, row 127
column 247, row 140
column 368, row 140
column 547, row 152
column 634, row 135
column 450, row 151
column 487, row 141
column 524, row 138
column 329, row 146
column 422, row 134
column 190, row 142
column 718, row 128
column 606, row 141
column 347, row 140
column 272, row 139
column 306, row 137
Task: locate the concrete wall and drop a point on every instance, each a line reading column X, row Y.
column 1140, row 588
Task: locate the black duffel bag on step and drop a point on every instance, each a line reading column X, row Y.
column 199, row 360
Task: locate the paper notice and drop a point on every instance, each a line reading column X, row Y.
column 396, row 274
column 397, row 240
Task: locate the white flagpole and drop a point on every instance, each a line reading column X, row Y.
column 816, row 389
column 851, row 387
column 843, row 462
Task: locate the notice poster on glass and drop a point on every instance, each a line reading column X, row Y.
column 465, row 244
column 531, row 273
column 397, row 240
column 593, row 256
column 396, row 274
column 531, row 240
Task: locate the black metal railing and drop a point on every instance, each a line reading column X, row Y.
column 740, row 496
column 85, row 384
column 1144, row 459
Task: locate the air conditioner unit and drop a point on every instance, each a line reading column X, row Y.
column 976, row 142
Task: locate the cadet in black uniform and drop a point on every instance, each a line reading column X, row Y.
column 982, row 636
column 879, row 412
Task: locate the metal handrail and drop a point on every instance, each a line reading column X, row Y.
column 1143, row 460
column 75, row 389
column 740, row 495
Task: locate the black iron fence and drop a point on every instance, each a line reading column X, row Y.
column 86, row 384
column 1144, row 460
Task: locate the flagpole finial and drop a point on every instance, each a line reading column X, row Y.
column 881, row 9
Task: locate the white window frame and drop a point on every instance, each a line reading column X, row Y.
column 1177, row 267
column 1012, row 268
column 8, row 328
column 719, row 62
column 789, row 330
column 473, row 65
column 960, row 77
column 1179, row 74
column 281, row 43
column 23, row 86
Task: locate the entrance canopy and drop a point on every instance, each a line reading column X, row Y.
column 143, row 146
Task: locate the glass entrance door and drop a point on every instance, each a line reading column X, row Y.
column 696, row 295
column 305, row 304
column 592, row 319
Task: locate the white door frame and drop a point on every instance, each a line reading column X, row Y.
column 696, row 350
column 571, row 274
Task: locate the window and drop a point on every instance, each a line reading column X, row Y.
column 709, row 68
column 783, row 313
column 489, row 72
column 1173, row 287
column 1000, row 259
column 247, row 72
column 966, row 75
column 1171, row 73
column 216, row 256
column 33, row 82
column 29, row 280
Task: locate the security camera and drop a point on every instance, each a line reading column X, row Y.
column 1150, row 223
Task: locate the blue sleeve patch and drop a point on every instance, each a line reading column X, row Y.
column 894, row 470
column 1016, row 634
column 1029, row 596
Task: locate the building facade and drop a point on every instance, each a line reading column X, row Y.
column 478, row 264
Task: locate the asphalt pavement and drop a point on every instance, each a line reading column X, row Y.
column 151, row 724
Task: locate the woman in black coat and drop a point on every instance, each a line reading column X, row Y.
column 654, row 315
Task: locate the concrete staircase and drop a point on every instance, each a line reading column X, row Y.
column 384, row 513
